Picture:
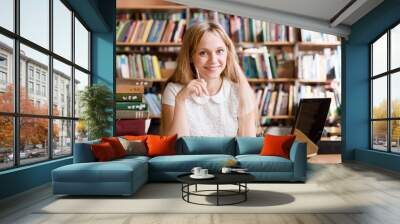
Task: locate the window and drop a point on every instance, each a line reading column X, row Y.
column 3, row 72
column 30, row 87
column 30, row 72
column 7, row 14
column 37, row 89
column 385, row 97
column 54, row 126
column 3, row 80
column 43, row 77
column 43, row 90
column 37, row 74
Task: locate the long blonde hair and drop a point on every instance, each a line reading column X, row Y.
column 184, row 71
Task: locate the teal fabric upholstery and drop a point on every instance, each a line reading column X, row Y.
column 298, row 155
column 257, row 163
column 126, row 175
column 83, row 152
column 249, row 145
column 206, row 145
column 119, row 177
column 184, row 163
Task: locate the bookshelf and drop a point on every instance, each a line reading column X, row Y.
column 293, row 50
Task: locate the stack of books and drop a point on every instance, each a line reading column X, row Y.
column 129, row 101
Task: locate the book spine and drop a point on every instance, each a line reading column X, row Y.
column 128, row 97
column 139, row 106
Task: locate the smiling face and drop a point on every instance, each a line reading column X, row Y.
column 210, row 56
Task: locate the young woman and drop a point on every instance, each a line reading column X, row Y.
column 208, row 93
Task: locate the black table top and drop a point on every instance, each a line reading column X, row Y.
column 220, row 178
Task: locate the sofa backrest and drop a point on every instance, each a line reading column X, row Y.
column 249, row 145
column 206, row 145
column 83, row 153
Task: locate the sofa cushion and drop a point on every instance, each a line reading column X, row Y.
column 195, row 145
column 249, row 145
column 112, row 171
column 103, row 152
column 257, row 163
column 134, row 147
column 277, row 145
column 83, row 152
column 116, row 145
column 185, row 163
column 161, row 145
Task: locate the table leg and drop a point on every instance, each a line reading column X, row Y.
column 217, row 194
column 245, row 191
column 196, row 188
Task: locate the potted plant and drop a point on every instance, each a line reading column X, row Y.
column 96, row 103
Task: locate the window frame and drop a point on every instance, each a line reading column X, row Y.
column 388, row 74
column 15, row 68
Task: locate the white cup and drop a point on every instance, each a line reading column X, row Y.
column 203, row 172
column 196, row 170
column 226, row 170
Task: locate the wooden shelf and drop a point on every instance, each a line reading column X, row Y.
column 318, row 82
column 313, row 45
column 141, row 80
column 268, row 43
column 271, row 80
column 149, row 44
column 278, row 117
column 148, row 4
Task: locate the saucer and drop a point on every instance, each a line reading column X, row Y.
column 208, row 176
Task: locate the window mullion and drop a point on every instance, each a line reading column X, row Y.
column 16, row 84
column 73, row 82
column 389, row 106
column 50, row 81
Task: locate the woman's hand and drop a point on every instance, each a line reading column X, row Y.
column 196, row 87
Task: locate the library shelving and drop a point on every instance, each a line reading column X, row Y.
column 282, row 63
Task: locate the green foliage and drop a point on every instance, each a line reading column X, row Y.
column 96, row 102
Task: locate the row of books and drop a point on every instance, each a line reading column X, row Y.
column 244, row 29
column 259, row 65
column 170, row 27
column 319, row 66
column 138, row 31
column 262, row 63
column 154, row 102
column 155, row 15
column 273, row 101
column 137, row 66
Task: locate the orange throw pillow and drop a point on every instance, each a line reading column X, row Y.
column 161, row 145
column 134, row 137
column 103, row 151
column 116, row 145
column 277, row 145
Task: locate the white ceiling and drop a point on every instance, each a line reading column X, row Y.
column 317, row 15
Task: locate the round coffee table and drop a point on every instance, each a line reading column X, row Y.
column 238, row 179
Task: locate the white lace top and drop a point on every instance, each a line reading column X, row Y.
column 213, row 116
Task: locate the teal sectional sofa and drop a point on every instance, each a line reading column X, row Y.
column 125, row 176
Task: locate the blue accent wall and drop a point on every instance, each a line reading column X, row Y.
column 103, row 51
column 356, row 86
column 24, row 178
column 99, row 16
